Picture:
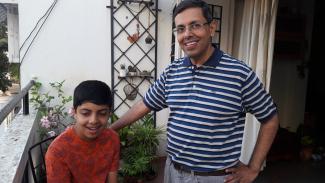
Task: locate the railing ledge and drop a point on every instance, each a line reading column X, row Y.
column 14, row 144
column 23, row 94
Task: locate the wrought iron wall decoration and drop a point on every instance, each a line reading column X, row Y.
column 134, row 34
column 216, row 12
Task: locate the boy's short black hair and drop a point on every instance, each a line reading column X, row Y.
column 183, row 5
column 93, row 91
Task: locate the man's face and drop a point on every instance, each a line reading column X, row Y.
column 196, row 42
column 91, row 120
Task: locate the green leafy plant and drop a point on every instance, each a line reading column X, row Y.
column 123, row 133
column 307, row 140
column 5, row 82
column 14, row 72
column 53, row 115
column 139, row 144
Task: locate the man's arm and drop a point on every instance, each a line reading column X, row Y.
column 248, row 173
column 265, row 139
column 136, row 112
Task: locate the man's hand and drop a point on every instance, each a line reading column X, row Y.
column 248, row 173
column 136, row 112
column 241, row 174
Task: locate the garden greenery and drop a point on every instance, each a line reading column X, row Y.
column 5, row 82
column 52, row 110
column 139, row 143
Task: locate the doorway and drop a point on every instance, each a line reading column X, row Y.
column 296, row 81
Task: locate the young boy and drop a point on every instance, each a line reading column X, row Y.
column 88, row 151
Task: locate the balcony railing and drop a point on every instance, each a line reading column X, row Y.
column 8, row 108
column 17, row 137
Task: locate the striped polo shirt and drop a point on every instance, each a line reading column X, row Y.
column 208, row 105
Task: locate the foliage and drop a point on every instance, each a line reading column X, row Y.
column 53, row 115
column 307, row 140
column 139, row 143
column 14, row 72
column 3, row 36
column 5, row 82
column 123, row 133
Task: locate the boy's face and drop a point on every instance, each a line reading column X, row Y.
column 91, row 120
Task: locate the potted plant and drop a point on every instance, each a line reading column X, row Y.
column 139, row 143
column 122, row 71
column 307, row 147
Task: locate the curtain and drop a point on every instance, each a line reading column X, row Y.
column 256, row 42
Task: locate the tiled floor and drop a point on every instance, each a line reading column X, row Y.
column 278, row 172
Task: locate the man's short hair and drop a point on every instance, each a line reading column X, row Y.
column 93, row 91
column 183, row 5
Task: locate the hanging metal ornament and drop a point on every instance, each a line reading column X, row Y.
column 148, row 39
column 130, row 90
column 134, row 37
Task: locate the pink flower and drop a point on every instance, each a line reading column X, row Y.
column 71, row 111
column 51, row 133
column 45, row 122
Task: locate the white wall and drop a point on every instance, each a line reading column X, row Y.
column 164, row 50
column 13, row 33
column 74, row 43
column 9, row 1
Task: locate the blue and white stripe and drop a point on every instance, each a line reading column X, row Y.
column 207, row 109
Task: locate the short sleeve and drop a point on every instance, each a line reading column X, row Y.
column 56, row 169
column 155, row 97
column 256, row 100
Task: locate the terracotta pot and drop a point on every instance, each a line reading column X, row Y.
column 130, row 179
column 306, row 153
column 145, row 178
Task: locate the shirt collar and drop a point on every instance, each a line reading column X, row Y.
column 211, row 62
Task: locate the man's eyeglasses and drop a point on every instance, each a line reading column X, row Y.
column 191, row 27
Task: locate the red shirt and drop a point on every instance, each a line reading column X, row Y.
column 70, row 159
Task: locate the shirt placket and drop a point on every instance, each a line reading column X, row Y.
column 194, row 70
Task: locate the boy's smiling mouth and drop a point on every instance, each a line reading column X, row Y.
column 93, row 129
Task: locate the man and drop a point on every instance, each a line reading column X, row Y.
column 208, row 93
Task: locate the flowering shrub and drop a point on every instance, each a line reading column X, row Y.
column 54, row 118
